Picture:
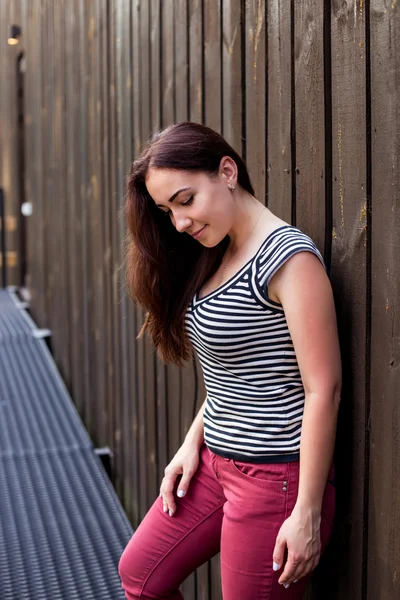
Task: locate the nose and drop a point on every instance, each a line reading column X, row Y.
column 182, row 223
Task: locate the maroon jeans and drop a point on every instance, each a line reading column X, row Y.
column 232, row 507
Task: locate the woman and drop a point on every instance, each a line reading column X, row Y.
column 217, row 271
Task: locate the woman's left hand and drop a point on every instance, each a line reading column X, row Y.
column 300, row 534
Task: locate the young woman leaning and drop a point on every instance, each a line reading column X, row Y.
column 218, row 272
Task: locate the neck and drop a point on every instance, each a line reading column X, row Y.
column 248, row 211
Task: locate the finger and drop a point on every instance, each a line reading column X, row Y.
column 301, row 571
column 287, row 576
column 278, row 553
column 184, row 483
column 167, row 494
column 315, row 562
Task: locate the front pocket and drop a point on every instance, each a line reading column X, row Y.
column 262, row 474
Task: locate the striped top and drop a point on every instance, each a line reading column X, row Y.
column 255, row 395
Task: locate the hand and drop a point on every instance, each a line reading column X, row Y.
column 300, row 533
column 185, row 463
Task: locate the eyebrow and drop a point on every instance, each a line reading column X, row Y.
column 176, row 194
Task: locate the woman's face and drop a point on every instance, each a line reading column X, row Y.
column 197, row 204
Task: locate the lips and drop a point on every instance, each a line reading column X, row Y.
column 198, row 232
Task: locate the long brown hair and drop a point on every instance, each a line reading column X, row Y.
column 166, row 268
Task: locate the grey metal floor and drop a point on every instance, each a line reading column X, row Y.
column 62, row 527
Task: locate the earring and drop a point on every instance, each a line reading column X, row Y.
column 231, row 187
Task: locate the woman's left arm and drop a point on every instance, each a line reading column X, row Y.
column 305, row 292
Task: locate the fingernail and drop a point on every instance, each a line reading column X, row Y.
column 165, row 508
column 295, row 580
column 181, row 493
column 171, row 512
column 287, row 585
column 275, row 566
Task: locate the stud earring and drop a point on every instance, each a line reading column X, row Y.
column 231, row 187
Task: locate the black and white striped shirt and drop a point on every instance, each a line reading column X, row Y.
column 255, row 395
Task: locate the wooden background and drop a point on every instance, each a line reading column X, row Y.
column 308, row 92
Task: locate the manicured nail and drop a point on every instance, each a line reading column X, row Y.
column 181, row 493
column 286, row 586
column 275, row 566
column 171, row 512
column 295, row 581
column 165, row 508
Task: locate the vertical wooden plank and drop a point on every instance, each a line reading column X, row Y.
column 62, row 340
column 349, row 248
column 196, row 59
column 232, row 74
column 34, row 189
column 45, row 22
column 92, row 193
column 213, row 64
column 139, row 347
column 167, row 64
column 161, row 371
column 9, row 141
column 255, row 95
column 73, row 205
column 126, row 314
column 83, row 164
column 279, row 74
column 115, row 44
column 155, row 48
column 106, row 204
column 384, row 489
column 149, row 374
column 309, row 99
column 181, row 59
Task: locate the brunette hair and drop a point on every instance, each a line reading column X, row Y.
column 166, row 268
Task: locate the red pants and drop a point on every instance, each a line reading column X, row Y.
column 232, row 507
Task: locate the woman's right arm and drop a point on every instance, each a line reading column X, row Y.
column 185, row 463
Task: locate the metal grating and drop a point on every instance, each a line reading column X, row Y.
column 14, row 321
column 36, row 412
column 62, row 527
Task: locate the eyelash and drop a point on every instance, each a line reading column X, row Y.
column 187, row 203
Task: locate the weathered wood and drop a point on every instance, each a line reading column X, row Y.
column 255, row 29
column 149, row 353
column 309, row 113
column 308, row 93
column 213, row 64
column 280, row 156
column 232, row 74
column 349, row 247
column 383, row 524
column 196, row 59
column 168, row 106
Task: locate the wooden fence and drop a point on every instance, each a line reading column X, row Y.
column 308, row 92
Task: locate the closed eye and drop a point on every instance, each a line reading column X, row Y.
column 188, row 201
column 168, row 212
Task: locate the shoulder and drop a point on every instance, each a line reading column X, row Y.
column 280, row 245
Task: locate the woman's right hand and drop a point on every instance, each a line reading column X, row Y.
column 185, row 463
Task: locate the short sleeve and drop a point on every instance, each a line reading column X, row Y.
column 287, row 242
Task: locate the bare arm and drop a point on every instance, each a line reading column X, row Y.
column 195, row 435
column 185, row 463
column 306, row 295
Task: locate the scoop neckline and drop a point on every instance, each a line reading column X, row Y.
column 196, row 300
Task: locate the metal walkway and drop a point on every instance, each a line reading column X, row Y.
column 62, row 527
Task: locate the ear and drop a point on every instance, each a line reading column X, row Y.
column 228, row 170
